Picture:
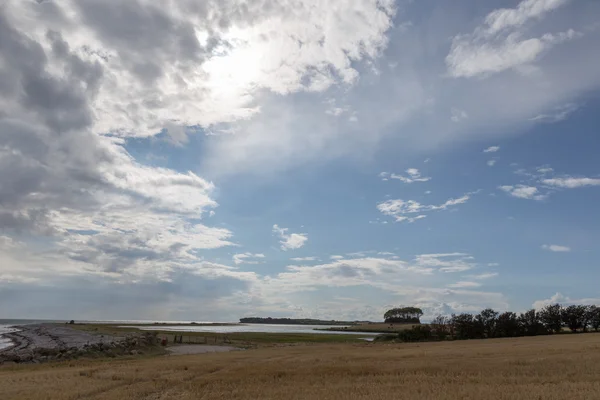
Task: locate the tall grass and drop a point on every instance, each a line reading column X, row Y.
column 548, row 367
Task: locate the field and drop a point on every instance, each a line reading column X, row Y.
column 548, row 367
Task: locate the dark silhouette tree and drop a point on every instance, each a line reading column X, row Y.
column 464, row 326
column 594, row 317
column 487, row 321
column 440, row 327
column 508, row 325
column 403, row 315
column 552, row 318
column 418, row 333
column 530, row 323
column 574, row 317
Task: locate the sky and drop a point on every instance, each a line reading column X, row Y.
column 211, row 160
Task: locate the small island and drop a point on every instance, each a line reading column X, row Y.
column 296, row 321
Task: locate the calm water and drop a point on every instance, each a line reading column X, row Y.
column 263, row 328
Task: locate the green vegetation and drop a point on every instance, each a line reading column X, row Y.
column 404, row 315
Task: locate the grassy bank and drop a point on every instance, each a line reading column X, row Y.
column 548, row 367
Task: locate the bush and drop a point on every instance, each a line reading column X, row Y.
column 419, row 333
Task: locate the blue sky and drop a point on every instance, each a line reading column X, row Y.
column 297, row 158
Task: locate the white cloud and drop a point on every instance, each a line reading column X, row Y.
column 569, row 182
column 336, row 257
column 543, row 178
column 289, row 241
column 491, row 149
column 464, row 284
column 544, row 170
column 564, row 300
column 502, row 42
column 312, row 258
column 487, row 275
column 523, row 192
column 446, row 262
column 247, row 258
column 491, row 163
column 458, row 115
column 559, row 113
column 401, row 209
column 556, row 248
column 209, row 63
column 413, row 175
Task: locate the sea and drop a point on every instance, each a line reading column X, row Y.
column 8, row 325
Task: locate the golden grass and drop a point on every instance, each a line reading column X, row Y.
column 551, row 367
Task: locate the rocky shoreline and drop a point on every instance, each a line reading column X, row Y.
column 47, row 342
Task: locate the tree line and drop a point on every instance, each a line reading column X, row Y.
column 551, row 319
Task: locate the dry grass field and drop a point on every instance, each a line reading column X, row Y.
column 551, row 367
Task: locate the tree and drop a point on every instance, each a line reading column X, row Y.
column 594, row 317
column 530, row 323
column 552, row 318
column 418, row 333
column 574, row 317
column 403, row 315
column 464, row 326
column 508, row 325
column 487, row 320
column 440, row 327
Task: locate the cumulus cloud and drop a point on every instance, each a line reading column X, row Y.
column 210, row 43
column 523, row 192
column 556, row 248
column 543, row 177
column 564, row 300
column 412, row 175
column 247, row 258
column 569, row 182
column 502, row 42
column 97, row 208
column 289, row 241
column 403, row 210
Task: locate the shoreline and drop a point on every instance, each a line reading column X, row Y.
column 44, row 342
